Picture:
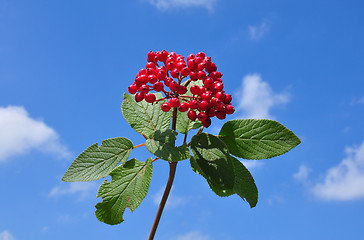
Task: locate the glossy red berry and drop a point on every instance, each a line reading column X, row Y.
column 150, row 98
column 201, row 75
column 144, row 89
column 152, row 78
column 181, row 90
column 206, row 123
column 195, row 90
column 206, row 96
column 170, row 65
column 220, row 95
column 201, row 55
column 183, row 107
column 227, row 99
column 161, row 75
column 151, row 56
column 185, row 71
column 192, row 64
column 203, row 105
column 132, row 89
column 139, row 97
column 218, row 86
column 220, row 115
column 174, row 102
column 208, row 83
column 165, row 107
column 192, row 115
column 173, row 85
column 162, row 55
column 150, row 65
column 229, row 109
column 175, row 73
column 202, row 116
column 193, row 75
column 158, row 86
column 193, row 104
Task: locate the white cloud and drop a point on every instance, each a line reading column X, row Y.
column 346, row 180
column 6, row 235
column 302, row 174
column 195, row 235
column 172, row 201
column 169, row 4
column 82, row 188
column 257, row 32
column 249, row 164
column 256, row 97
column 21, row 133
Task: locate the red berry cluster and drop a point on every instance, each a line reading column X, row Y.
column 207, row 101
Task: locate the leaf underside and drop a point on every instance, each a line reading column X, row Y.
column 127, row 189
column 97, row 162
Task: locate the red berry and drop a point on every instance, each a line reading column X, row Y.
column 211, row 112
column 195, row 90
column 173, row 85
column 151, row 71
column 150, row 65
column 203, row 105
column 174, row 102
column 201, row 75
column 185, row 71
column 158, row 86
column 220, row 95
column 191, row 56
column 144, row 89
column 150, row 97
column 202, row 116
column 132, row 89
column 202, row 89
column 167, row 81
column 192, row 115
column 162, row 55
column 220, row 115
column 151, row 56
column 201, row 66
column 227, row 99
column 175, row 73
column 193, row 104
column 183, row 107
column 218, row 86
column 139, row 97
column 198, row 60
column 192, row 64
column 142, row 71
column 170, row 65
column 206, row 123
column 180, row 65
column 201, row 55
column 152, row 78
column 161, row 75
column 229, row 109
column 165, row 107
column 206, row 96
column 193, row 75
column 208, row 83
column 219, row 107
column 181, row 89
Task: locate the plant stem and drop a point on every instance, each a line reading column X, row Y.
column 172, row 172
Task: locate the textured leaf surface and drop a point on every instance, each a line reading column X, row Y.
column 244, row 184
column 161, row 144
column 213, row 159
column 143, row 117
column 127, row 189
column 97, row 162
column 257, row 139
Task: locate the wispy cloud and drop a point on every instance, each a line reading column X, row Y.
column 164, row 5
column 302, row 174
column 173, row 200
column 21, row 133
column 344, row 181
column 194, row 235
column 257, row 32
column 256, row 97
column 81, row 188
column 6, row 235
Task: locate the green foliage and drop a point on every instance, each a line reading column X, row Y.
column 143, row 117
column 257, row 139
column 127, row 189
column 161, row 143
column 97, row 162
column 184, row 124
column 213, row 159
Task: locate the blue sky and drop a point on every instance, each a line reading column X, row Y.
column 64, row 66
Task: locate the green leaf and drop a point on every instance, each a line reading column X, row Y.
column 244, row 184
column 213, row 159
column 257, row 139
column 161, row 143
column 143, row 117
column 127, row 189
column 184, row 124
column 97, row 162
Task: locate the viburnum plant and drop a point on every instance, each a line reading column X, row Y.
column 169, row 96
